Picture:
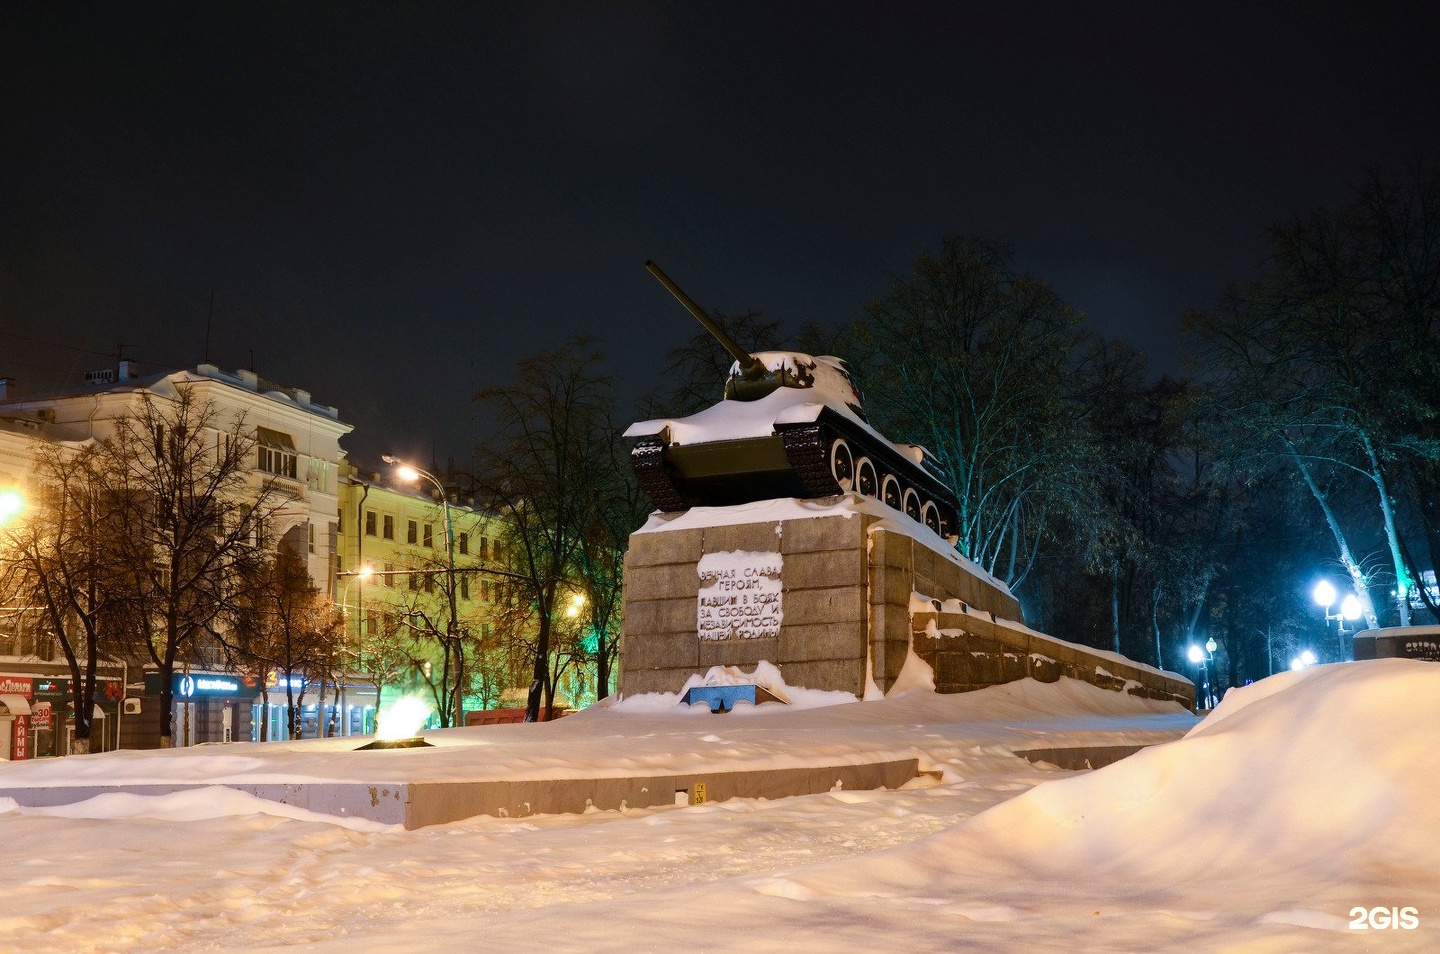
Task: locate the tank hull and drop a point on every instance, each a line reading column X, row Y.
column 823, row 458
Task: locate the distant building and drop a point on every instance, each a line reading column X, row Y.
column 297, row 449
column 392, row 562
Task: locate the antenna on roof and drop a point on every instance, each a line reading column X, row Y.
column 209, row 317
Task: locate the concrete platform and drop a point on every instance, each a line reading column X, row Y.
column 418, row 804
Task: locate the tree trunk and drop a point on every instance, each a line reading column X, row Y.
column 1357, row 576
column 1392, row 537
column 1115, row 608
column 1155, row 626
column 538, row 684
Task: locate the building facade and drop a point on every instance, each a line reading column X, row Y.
column 402, row 548
column 297, row 456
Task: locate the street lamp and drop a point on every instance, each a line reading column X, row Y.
column 410, row 473
column 1349, row 607
column 1305, row 660
column 12, row 502
column 1203, row 658
column 357, row 576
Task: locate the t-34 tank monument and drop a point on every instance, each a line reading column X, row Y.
column 789, row 531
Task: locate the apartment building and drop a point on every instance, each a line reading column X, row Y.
column 297, row 455
column 392, row 565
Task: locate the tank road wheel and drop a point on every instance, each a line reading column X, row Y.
column 842, row 464
column 930, row 516
column 912, row 504
column 866, row 480
column 890, row 492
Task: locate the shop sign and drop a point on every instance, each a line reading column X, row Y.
column 195, row 685
column 203, row 685
column 17, row 686
column 21, row 735
column 41, row 716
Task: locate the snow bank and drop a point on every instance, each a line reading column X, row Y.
column 1329, row 771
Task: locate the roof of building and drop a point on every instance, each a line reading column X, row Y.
column 121, row 382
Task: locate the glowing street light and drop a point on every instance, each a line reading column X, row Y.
column 1325, row 595
column 577, row 603
column 12, row 502
column 1305, row 660
column 410, row 474
column 1202, row 658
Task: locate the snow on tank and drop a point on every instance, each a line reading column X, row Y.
column 790, row 425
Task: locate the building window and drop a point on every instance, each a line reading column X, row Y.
column 277, row 462
column 484, row 591
column 389, row 533
column 369, row 523
column 413, row 580
column 311, row 528
column 429, row 582
column 430, row 536
column 317, row 475
column 463, row 541
column 484, row 548
column 464, row 587
column 390, row 575
column 277, row 452
column 411, row 532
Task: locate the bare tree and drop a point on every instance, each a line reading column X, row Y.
column 59, row 559
column 283, row 624
column 188, row 519
column 539, row 475
column 980, row 364
column 1331, row 357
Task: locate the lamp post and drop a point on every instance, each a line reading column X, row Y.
column 409, row 473
column 356, row 576
column 1349, row 611
column 1202, row 658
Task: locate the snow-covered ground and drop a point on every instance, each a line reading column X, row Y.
column 1299, row 800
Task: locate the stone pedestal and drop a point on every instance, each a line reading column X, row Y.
column 834, row 593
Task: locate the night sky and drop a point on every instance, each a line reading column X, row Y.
column 394, row 202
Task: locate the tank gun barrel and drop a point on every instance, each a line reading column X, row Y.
column 750, row 366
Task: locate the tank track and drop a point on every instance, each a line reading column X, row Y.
column 647, row 459
column 807, row 450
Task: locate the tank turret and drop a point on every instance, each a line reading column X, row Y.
column 790, row 425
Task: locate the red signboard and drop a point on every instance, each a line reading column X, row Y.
column 17, row 686
column 41, row 715
column 21, row 730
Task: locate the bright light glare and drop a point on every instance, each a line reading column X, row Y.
column 1296, row 664
column 11, row 503
column 407, row 473
column 1325, row 594
column 576, row 602
column 1308, row 658
column 1197, row 655
column 1350, row 607
column 365, row 572
column 402, row 718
